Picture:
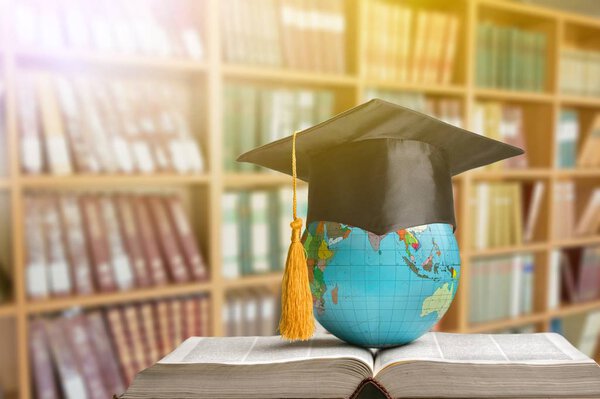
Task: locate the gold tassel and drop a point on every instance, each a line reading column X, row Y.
column 297, row 322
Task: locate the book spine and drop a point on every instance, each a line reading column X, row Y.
column 35, row 262
column 131, row 240
column 87, row 362
column 75, row 243
column 104, row 353
column 161, row 314
column 57, row 150
column 230, row 236
column 119, row 258
column 41, row 362
column 117, row 327
column 259, row 201
column 168, row 242
column 176, row 321
column 97, row 244
column 150, row 331
column 71, row 379
column 31, row 150
column 58, row 268
column 149, row 242
column 187, row 239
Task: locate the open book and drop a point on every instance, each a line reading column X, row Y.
column 435, row 365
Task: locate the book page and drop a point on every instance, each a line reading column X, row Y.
column 263, row 350
column 542, row 348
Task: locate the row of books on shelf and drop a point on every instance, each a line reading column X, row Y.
column 88, row 243
column 582, row 330
column 574, row 276
column 409, row 45
column 96, row 354
column 497, row 214
column 501, row 287
column 579, row 72
column 135, row 27
column 502, row 122
column 305, row 35
column 574, row 147
column 510, row 58
column 255, row 229
column 81, row 124
column 256, row 115
column 446, row 109
column 251, row 312
column 568, row 221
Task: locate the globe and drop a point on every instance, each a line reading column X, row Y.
column 381, row 290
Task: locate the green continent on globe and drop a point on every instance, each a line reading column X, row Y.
column 438, row 302
column 317, row 239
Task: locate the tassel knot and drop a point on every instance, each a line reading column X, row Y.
column 296, row 226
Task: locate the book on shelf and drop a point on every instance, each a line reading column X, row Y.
column 564, row 209
column 501, row 287
column 583, row 331
column 410, row 45
column 502, row 122
column 87, row 243
column 306, row 35
column 574, row 276
column 533, row 211
column 447, row 109
column 590, row 149
column 579, row 72
column 250, row 312
column 78, row 124
column 510, row 57
column 255, row 115
column 97, row 354
column 567, row 136
column 132, row 28
column 498, row 211
column 466, row 366
column 589, row 220
column 255, row 229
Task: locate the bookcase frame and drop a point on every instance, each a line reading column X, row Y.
column 211, row 75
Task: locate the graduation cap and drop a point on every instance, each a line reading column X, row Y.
column 378, row 166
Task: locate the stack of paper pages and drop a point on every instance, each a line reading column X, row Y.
column 436, row 365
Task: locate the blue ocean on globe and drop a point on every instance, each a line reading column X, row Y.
column 381, row 291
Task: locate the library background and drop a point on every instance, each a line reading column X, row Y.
column 126, row 225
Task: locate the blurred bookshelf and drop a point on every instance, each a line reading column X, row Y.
column 373, row 62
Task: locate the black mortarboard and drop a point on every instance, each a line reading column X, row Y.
column 380, row 166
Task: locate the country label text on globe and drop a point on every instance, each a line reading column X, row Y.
column 381, row 291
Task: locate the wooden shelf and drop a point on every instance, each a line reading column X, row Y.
column 576, row 242
column 575, row 101
column 533, row 247
column 514, row 95
column 508, row 174
column 506, row 323
column 259, row 280
column 574, row 309
column 279, row 75
column 249, row 180
column 58, row 304
column 7, row 310
column 75, row 181
column 112, row 60
column 568, row 173
column 450, row 90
